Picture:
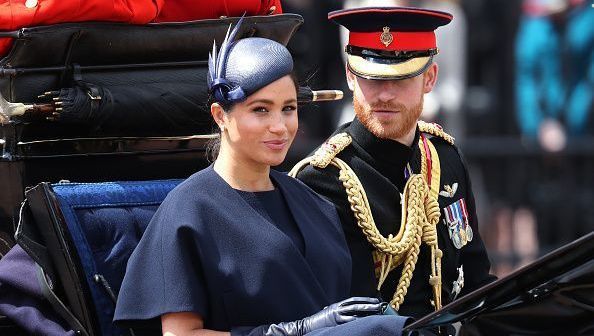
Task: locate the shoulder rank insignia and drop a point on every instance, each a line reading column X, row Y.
column 449, row 191
column 456, row 219
column 435, row 130
column 329, row 149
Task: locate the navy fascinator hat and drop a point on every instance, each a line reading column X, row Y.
column 242, row 67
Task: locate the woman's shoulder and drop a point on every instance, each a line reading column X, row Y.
column 196, row 189
column 198, row 183
column 186, row 203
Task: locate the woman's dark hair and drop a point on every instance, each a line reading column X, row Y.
column 214, row 145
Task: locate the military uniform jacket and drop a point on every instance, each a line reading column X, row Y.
column 380, row 165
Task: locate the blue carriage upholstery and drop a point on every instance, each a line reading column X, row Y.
column 103, row 223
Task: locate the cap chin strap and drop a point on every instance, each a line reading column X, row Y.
column 387, row 77
column 399, row 55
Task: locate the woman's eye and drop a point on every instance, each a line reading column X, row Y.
column 289, row 108
column 260, row 109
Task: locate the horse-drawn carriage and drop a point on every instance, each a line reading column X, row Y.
column 103, row 102
column 86, row 104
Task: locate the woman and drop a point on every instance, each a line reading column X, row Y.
column 237, row 246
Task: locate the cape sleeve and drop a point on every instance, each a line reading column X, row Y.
column 164, row 273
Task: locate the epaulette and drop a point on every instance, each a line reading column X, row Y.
column 329, row 149
column 435, row 130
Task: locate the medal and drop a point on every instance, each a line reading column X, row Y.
column 456, row 219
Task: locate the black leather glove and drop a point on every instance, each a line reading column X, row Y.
column 335, row 314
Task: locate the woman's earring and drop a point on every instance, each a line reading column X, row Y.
column 222, row 128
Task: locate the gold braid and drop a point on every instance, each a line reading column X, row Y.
column 420, row 214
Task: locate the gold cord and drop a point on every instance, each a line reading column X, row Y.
column 435, row 130
column 420, row 215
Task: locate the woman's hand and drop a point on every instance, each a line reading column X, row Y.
column 186, row 324
column 333, row 315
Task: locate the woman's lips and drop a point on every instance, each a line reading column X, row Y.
column 276, row 144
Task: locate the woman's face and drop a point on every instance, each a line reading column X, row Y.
column 260, row 129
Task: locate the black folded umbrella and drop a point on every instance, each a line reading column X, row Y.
column 146, row 109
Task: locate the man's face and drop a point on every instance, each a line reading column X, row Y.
column 390, row 108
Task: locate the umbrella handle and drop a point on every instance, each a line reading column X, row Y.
column 8, row 109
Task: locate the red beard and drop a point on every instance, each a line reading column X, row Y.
column 396, row 128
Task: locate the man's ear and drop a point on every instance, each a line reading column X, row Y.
column 350, row 77
column 218, row 114
column 430, row 78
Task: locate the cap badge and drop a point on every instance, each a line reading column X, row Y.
column 386, row 38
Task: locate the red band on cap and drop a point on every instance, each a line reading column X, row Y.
column 402, row 41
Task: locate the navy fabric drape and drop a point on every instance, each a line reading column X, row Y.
column 208, row 251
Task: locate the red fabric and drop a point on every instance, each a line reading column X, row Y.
column 14, row 14
column 188, row 10
column 5, row 44
column 402, row 41
column 429, row 161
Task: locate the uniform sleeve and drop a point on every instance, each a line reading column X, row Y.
column 164, row 273
column 474, row 255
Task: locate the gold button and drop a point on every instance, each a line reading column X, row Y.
column 272, row 10
column 30, row 3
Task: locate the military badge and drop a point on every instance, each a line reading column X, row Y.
column 386, row 38
column 459, row 283
column 456, row 219
column 449, row 191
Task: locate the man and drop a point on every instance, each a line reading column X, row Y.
column 400, row 186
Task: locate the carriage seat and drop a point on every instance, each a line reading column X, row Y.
column 82, row 234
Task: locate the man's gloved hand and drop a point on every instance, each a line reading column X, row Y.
column 335, row 314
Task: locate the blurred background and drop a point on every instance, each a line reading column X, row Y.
column 515, row 88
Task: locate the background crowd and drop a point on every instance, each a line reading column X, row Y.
column 515, row 87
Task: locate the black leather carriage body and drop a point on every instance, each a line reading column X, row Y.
column 118, row 54
column 153, row 123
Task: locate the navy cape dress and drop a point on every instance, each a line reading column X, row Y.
column 208, row 251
